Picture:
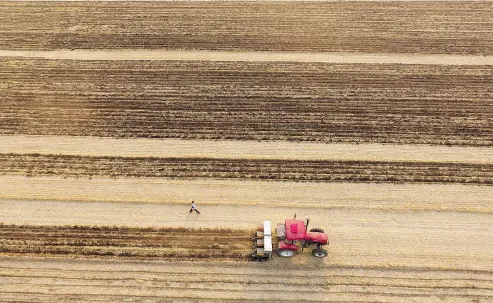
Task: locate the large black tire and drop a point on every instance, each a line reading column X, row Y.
column 319, row 253
column 318, row 230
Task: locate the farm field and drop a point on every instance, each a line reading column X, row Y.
column 246, row 169
column 125, row 242
column 240, row 149
column 250, row 56
column 69, row 280
column 296, row 101
column 459, row 27
column 361, row 235
column 374, row 119
column 248, row 193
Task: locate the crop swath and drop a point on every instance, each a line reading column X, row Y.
column 383, row 103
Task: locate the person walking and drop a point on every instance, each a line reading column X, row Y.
column 194, row 207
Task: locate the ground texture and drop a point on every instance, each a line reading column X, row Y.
column 374, row 119
column 382, row 27
column 296, row 101
column 136, row 243
column 246, row 169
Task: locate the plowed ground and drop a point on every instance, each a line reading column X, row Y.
column 385, row 27
column 384, row 103
column 126, row 242
column 246, row 169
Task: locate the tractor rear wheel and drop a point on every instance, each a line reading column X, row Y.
column 318, row 230
column 286, row 253
column 320, row 253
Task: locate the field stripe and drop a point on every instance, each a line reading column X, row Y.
column 251, row 56
column 313, row 102
column 233, row 149
column 125, row 242
column 358, row 237
column 246, row 169
column 145, row 280
column 319, row 196
column 254, row 0
column 378, row 27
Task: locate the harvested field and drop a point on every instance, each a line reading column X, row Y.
column 250, row 169
column 382, row 27
column 126, row 242
column 287, row 195
column 249, row 56
column 238, row 149
column 383, row 103
column 373, row 119
column 359, row 237
column 45, row 280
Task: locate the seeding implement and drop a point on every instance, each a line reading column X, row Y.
column 290, row 236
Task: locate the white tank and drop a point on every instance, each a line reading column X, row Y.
column 267, row 237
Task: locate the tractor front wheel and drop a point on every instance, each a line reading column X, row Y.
column 286, row 253
column 320, row 253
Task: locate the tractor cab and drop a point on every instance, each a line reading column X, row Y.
column 294, row 232
column 294, row 229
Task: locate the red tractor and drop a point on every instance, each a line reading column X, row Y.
column 291, row 236
column 294, row 232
